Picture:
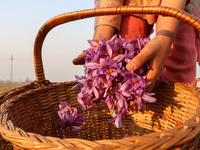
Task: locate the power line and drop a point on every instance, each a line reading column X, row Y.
column 11, row 76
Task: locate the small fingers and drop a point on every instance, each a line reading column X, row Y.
column 79, row 59
column 139, row 60
column 132, row 103
column 152, row 76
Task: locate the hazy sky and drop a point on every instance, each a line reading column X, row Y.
column 20, row 22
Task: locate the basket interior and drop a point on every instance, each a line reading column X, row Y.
column 36, row 111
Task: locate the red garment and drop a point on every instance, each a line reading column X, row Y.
column 133, row 26
column 181, row 62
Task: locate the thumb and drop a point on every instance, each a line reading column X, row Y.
column 138, row 61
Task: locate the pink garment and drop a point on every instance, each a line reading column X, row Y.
column 181, row 62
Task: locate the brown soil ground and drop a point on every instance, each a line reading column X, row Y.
column 6, row 86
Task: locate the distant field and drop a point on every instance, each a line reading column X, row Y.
column 6, row 86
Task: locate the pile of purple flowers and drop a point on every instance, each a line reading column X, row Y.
column 70, row 118
column 107, row 80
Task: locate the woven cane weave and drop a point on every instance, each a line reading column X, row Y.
column 29, row 120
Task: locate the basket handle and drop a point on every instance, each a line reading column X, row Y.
column 72, row 16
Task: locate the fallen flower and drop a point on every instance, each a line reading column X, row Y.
column 70, row 118
column 107, row 80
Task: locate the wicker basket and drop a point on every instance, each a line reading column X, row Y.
column 29, row 117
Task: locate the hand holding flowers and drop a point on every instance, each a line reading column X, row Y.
column 107, row 79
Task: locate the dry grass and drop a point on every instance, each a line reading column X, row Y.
column 6, row 85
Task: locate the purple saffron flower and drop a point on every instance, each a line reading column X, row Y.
column 118, row 120
column 140, row 94
column 70, row 118
column 82, row 80
column 107, row 80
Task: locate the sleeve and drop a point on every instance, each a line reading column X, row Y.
column 112, row 20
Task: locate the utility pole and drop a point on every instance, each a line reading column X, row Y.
column 11, row 68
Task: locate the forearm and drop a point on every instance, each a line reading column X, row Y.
column 106, row 25
column 167, row 26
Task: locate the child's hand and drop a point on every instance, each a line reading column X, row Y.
column 155, row 54
column 156, row 51
column 79, row 59
column 105, row 31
